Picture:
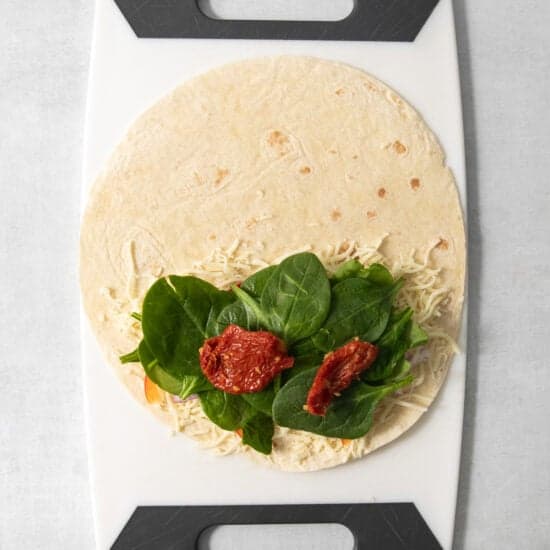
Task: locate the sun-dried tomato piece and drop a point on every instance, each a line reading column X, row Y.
column 338, row 370
column 243, row 361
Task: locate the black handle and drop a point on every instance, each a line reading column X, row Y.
column 376, row 526
column 374, row 20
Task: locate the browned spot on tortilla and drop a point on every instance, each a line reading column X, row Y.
column 250, row 223
column 381, row 192
column 371, row 214
column 399, row 148
column 335, row 215
column 277, row 138
column 345, row 442
column 305, row 170
column 212, row 237
column 355, row 157
column 415, row 183
column 332, row 151
column 442, row 244
column 221, row 173
column 198, row 179
column 340, row 91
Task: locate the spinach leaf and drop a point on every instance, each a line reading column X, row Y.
column 226, row 410
column 392, row 346
column 401, row 334
column 258, row 433
column 179, row 313
column 295, row 300
column 255, row 284
column 238, row 313
column 261, row 401
column 183, row 387
column 375, row 273
column 349, row 416
column 132, row 357
column 417, row 336
column 358, row 309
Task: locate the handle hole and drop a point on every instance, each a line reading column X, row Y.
column 295, row 536
column 277, row 10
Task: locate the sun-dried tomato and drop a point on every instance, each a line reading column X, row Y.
column 338, row 370
column 243, row 361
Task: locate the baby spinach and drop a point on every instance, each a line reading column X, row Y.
column 184, row 386
column 261, row 401
column 226, row 410
column 313, row 315
column 418, row 336
column 179, row 313
column 295, row 299
column 401, row 334
column 238, row 313
column 349, row 416
column 258, row 433
column 375, row 273
column 358, row 309
column 231, row 412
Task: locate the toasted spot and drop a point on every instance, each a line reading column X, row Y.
column 442, row 244
column 335, row 215
column 332, row 151
column 340, row 91
column 399, row 148
column 305, row 170
column 371, row 214
column 345, row 442
column 221, row 173
column 381, row 192
column 415, row 184
column 355, row 157
column 277, row 138
column 250, row 223
column 212, row 237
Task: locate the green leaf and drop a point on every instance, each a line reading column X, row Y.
column 227, row 411
column 238, row 313
column 258, row 433
column 351, row 268
column 358, row 309
column 179, row 313
column 132, row 357
column 261, row 401
column 393, row 344
column 418, row 337
column 296, row 298
column 375, row 273
column 256, row 283
column 349, row 416
column 183, row 386
column 136, row 316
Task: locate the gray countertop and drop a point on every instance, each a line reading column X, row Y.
column 504, row 495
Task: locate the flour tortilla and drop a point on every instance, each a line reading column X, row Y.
column 280, row 153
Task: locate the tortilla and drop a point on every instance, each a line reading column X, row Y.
column 251, row 162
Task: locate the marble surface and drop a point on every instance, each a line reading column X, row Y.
column 504, row 495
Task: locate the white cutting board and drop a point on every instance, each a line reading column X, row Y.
column 133, row 458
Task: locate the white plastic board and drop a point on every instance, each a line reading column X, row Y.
column 133, row 458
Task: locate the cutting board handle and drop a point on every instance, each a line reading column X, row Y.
column 370, row 20
column 375, row 525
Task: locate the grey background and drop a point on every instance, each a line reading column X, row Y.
column 504, row 496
